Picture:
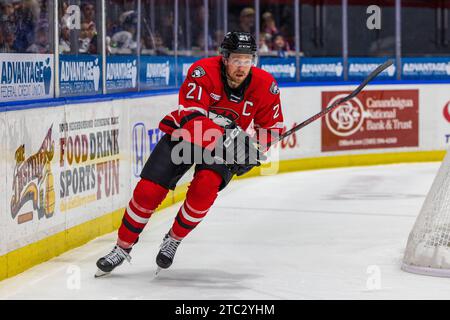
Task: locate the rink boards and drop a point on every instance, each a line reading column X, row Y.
column 70, row 168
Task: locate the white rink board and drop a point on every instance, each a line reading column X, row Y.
column 136, row 121
column 145, row 115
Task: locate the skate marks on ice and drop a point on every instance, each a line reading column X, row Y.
column 370, row 187
column 312, row 211
column 203, row 278
column 187, row 283
column 216, row 284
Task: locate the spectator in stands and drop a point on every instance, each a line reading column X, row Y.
column 2, row 38
column 7, row 14
column 27, row 15
column 87, row 34
column 124, row 40
column 88, row 12
column 93, row 49
column 154, row 45
column 268, row 24
column 41, row 44
column 160, row 46
column 264, row 42
column 382, row 47
column 34, row 6
column 280, row 45
column 108, row 45
column 147, row 43
column 166, row 30
column 198, row 32
column 64, row 38
column 9, row 37
column 199, row 48
column 88, row 16
column 247, row 20
column 218, row 38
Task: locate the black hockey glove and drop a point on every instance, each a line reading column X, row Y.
column 240, row 151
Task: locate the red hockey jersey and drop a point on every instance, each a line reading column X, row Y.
column 206, row 102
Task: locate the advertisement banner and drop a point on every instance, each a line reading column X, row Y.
column 282, row 69
column 321, row 69
column 26, row 76
column 71, row 168
column 94, row 154
column 184, row 63
column 445, row 124
column 373, row 119
column 80, row 75
column 121, row 73
column 426, row 68
column 32, row 172
column 156, row 72
column 360, row 68
column 4, row 216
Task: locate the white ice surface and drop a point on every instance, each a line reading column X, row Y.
column 304, row 235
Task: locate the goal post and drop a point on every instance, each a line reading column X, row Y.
column 428, row 248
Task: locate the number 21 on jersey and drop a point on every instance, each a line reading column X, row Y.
column 192, row 94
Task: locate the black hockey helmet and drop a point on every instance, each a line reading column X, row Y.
column 238, row 42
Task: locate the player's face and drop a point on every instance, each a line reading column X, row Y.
column 238, row 66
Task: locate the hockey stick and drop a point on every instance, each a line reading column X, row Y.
column 336, row 104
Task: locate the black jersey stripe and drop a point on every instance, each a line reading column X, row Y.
column 169, row 123
column 182, row 224
column 130, row 227
column 190, row 117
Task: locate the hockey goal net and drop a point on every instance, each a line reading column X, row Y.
column 428, row 248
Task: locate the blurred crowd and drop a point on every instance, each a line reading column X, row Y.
column 273, row 39
column 157, row 30
column 74, row 40
column 24, row 27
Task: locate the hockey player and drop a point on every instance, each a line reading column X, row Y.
column 226, row 95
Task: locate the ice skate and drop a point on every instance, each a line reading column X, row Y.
column 112, row 260
column 167, row 252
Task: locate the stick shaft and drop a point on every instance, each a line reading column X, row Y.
column 336, row 104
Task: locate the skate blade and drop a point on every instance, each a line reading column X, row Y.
column 101, row 273
column 158, row 269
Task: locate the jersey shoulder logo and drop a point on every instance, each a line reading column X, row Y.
column 198, row 72
column 274, row 88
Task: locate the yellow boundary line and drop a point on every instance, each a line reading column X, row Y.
column 28, row 256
